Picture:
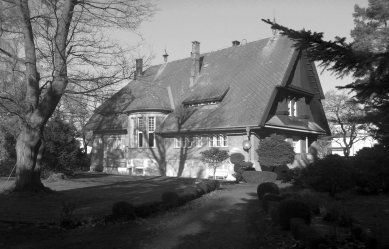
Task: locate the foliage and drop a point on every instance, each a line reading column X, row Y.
column 346, row 120
column 323, row 146
column 258, row 177
column 274, row 151
column 337, row 213
column 289, row 209
column 241, row 167
column 62, row 150
column 371, row 172
column 214, row 157
column 123, row 210
column 366, row 59
column 268, row 197
column 236, row 158
column 170, row 199
column 331, row 174
column 267, row 187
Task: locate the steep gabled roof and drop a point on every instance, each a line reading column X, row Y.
column 243, row 76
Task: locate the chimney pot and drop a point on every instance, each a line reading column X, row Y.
column 138, row 67
column 235, row 43
column 195, row 54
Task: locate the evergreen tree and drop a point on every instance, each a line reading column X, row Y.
column 367, row 59
column 274, row 151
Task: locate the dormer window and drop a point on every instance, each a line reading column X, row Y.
column 292, row 107
column 205, row 95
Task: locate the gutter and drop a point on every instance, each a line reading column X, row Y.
column 295, row 129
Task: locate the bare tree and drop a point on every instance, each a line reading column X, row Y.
column 345, row 118
column 64, row 52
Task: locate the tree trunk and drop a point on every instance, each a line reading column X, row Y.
column 29, row 150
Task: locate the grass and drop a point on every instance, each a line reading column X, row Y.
column 89, row 194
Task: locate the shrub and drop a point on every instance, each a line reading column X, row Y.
column 170, row 199
column 331, row 174
column 371, row 172
column 267, row 187
column 236, row 158
column 307, row 234
column 204, row 187
column 123, row 210
column 146, row 209
column 240, row 167
column 289, row 209
column 337, row 213
column 274, row 151
column 258, row 177
column 270, row 197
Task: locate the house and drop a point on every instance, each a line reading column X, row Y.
column 363, row 139
column 230, row 98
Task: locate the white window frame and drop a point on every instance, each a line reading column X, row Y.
column 151, row 130
column 292, row 107
column 219, row 140
column 183, row 142
column 140, row 135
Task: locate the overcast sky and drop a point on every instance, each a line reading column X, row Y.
column 215, row 23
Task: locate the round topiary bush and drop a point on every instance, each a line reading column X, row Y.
column 267, row 187
column 289, row 209
column 170, row 199
column 123, row 210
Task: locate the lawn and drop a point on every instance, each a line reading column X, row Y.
column 89, row 194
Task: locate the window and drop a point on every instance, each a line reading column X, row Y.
column 183, row 142
column 148, row 139
column 218, row 141
column 292, row 107
column 140, row 132
column 297, row 146
column 197, row 141
column 151, row 129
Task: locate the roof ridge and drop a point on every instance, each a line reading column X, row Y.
column 210, row 52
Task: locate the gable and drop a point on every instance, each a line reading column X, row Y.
column 304, row 76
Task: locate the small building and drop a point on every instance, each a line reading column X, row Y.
column 160, row 122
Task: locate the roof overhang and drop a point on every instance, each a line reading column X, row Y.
column 295, row 129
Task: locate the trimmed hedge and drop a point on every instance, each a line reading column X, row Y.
column 267, row 187
column 259, row 177
column 241, row 167
column 289, row 209
column 170, row 199
column 123, row 210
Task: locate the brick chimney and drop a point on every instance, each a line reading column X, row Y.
column 235, row 43
column 195, row 54
column 138, row 68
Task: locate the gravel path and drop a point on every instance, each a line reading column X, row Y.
column 230, row 218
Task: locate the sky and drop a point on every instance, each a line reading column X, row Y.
column 216, row 23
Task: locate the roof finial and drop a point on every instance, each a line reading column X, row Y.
column 165, row 56
column 274, row 31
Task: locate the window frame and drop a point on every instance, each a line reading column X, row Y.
column 218, row 141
